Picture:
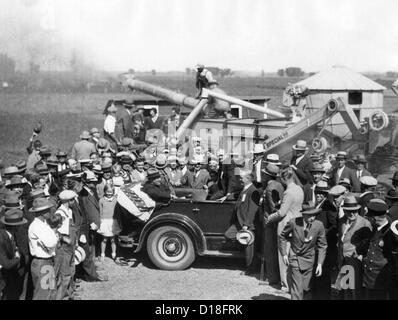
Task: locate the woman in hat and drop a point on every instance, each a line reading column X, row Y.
column 11, row 282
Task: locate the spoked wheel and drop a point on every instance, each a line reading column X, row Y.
column 170, row 248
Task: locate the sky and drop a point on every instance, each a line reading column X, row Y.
column 116, row 35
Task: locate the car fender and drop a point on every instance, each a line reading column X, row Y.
column 174, row 219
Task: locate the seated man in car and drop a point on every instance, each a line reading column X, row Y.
column 154, row 188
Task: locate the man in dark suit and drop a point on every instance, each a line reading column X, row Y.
column 309, row 188
column 360, row 161
column 392, row 201
column 246, row 208
column 301, row 163
column 10, row 280
column 306, row 236
column 124, row 121
column 342, row 172
column 154, row 188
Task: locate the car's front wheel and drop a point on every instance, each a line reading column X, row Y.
column 170, row 248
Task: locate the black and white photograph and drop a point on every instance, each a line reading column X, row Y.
column 222, row 151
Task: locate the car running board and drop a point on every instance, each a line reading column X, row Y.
column 226, row 254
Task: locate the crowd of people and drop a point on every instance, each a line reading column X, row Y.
column 314, row 217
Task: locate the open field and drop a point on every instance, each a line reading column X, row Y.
column 65, row 116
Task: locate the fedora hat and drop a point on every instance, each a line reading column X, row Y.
column 89, row 176
column 350, row 203
column 152, row 174
column 337, row 190
column 61, row 154
column 360, row 158
column 161, row 161
column 128, row 103
column 368, row 181
column 12, row 201
column 10, row 171
column 97, row 169
column 21, row 165
column 45, row 151
column 317, row 168
column 106, row 167
column 341, row 155
column 272, row 170
column 103, row 145
column 37, row 193
column 376, row 207
column 310, row 210
column 13, row 217
column 300, row 145
column 392, row 194
column 258, row 148
column 245, row 237
column 41, row 169
column 15, row 181
column 41, row 205
column 52, row 161
column 395, row 176
column 273, row 158
column 322, row 187
column 85, row 135
column 126, row 159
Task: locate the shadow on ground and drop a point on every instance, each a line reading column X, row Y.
column 268, row 296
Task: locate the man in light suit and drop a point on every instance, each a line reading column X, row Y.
column 291, row 206
column 301, row 163
column 84, row 148
column 342, row 172
column 246, row 208
column 306, row 236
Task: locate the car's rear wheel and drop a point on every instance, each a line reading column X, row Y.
column 170, row 248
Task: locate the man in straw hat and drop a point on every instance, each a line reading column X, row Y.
column 42, row 243
column 10, row 258
column 379, row 259
column 353, row 232
column 271, row 201
column 258, row 164
column 368, row 186
column 306, row 236
column 82, row 149
column 301, row 162
column 342, row 171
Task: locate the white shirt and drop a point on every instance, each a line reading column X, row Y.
column 382, row 226
column 247, row 187
column 155, row 118
column 359, row 173
column 258, row 171
column 299, row 159
column 339, row 172
column 66, row 214
column 42, row 239
column 110, row 124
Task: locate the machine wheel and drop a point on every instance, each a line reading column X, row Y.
column 378, row 120
column 170, row 248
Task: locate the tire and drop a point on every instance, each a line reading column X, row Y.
column 170, row 248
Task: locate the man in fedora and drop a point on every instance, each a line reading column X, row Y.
column 271, row 201
column 306, row 236
column 309, row 188
column 301, row 162
column 353, row 233
column 342, row 171
column 379, row 260
column 124, row 120
column 153, row 187
column 360, row 161
column 160, row 165
column 197, row 178
column 83, row 148
column 43, row 242
column 10, row 258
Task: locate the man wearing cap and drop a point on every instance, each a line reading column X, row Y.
column 342, row 171
column 353, row 232
column 246, row 209
column 83, row 148
column 368, row 185
column 306, row 236
column 378, row 261
column 360, row 161
column 301, row 163
column 124, row 122
column 64, row 258
column 10, row 257
column 42, row 243
column 271, row 201
column 203, row 77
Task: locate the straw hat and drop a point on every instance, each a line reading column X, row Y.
column 350, row 203
column 13, row 217
column 300, row 145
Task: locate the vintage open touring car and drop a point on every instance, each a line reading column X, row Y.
column 179, row 231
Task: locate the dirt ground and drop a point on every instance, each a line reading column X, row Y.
column 207, row 279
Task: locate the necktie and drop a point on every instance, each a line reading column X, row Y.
column 306, row 230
